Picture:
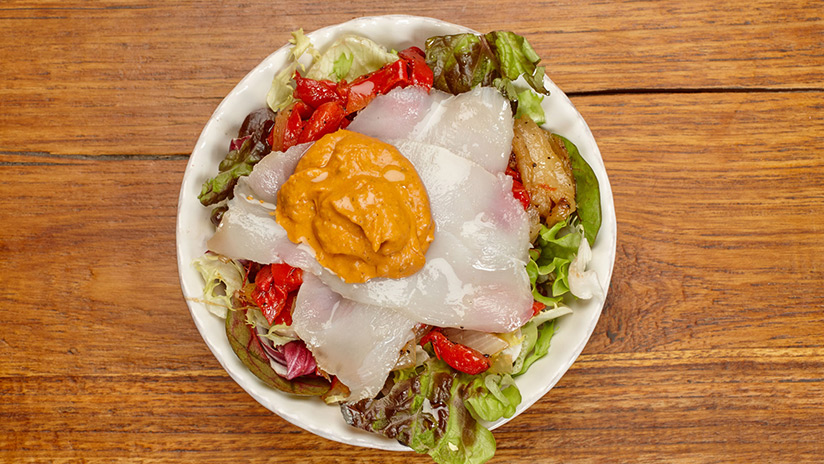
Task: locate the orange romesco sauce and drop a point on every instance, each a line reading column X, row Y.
column 359, row 203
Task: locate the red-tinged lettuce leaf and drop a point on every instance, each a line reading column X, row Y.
column 427, row 413
column 460, row 62
column 246, row 346
column 517, row 58
column 498, row 59
column 238, row 163
column 465, row 440
column 299, row 360
column 247, row 149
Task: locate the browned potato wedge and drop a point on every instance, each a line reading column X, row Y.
column 545, row 170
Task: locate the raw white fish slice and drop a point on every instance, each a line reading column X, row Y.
column 249, row 231
column 358, row 343
column 476, row 125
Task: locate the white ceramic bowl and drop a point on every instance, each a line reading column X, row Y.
column 194, row 228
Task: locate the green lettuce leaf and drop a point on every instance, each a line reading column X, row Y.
column 493, row 396
column 281, row 91
column 465, row 440
column 541, row 335
column 342, row 66
column 427, row 411
column 587, row 191
column 517, row 58
column 302, row 45
column 280, row 334
column 529, row 104
column 222, row 277
column 244, row 343
column 548, row 267
column 349, row 57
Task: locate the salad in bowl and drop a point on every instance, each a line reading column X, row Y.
column 397, row 233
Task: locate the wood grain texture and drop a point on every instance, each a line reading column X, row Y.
column 709, row 117
column 709, row 348
column 143, row 77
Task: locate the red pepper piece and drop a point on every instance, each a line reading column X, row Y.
column 390, row 76
column 285, row 315
column 325, row 120
column 359, row 94
column 419, row 72
column 513, row 173
column 459, row 357
column 270, row 139
column 305, row 111
column 537, row 307
column 273, row 284
column 315, row 93
column 294, row 127
column 520, row 193
column 365, row 88
column 518, row 190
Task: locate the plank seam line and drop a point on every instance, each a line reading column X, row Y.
column 690, row 90
column 103, row 157
column 79, row 8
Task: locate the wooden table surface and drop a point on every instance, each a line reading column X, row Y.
column 710, row 118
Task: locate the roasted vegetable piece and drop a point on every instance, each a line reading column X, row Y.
column 364, row 89
column 518, row 190
column 273, row 284
column 325, row 120
column 279, row 128
column 545, row 170
column 459, row 357
column 315, row 92
column 419, row 73
column 292, row 130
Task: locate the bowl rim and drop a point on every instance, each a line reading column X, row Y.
column 607, row 239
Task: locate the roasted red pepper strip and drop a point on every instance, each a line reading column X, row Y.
column 537, row 307
column 321, row 105
column 294, row 127
column 518, row 190
column 325, row 120
column 270, row 139
column 273, row 284
column 390, row 76
column 419, row 72
column 315, row 93
column 365, row 88
column 459, row 357
column 358, row 95
column 303, row 109
column 285, row 315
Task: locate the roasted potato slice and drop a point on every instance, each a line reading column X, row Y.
column 545, row 170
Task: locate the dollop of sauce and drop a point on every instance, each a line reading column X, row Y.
column 359, row 203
